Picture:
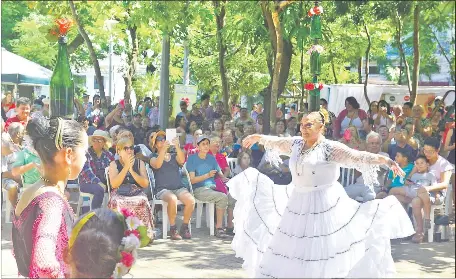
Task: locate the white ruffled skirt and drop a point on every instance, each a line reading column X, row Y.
column 282, row 232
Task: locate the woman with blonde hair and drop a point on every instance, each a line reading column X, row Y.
column 274, row 222
column 128, row 178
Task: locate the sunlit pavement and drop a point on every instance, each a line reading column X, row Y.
column 209, row 257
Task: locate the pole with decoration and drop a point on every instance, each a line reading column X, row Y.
column 315, row 86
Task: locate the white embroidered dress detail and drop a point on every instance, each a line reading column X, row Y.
column 311, row 228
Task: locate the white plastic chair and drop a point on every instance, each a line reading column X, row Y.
column 8, row 206
column 82, row 195
column 232, row 163
column 447, row 205
column 347, row 176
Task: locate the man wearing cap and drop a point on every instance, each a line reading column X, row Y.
column 92, row 178
column 203, row 168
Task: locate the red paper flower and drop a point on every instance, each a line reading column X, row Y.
column 309, row 86
column 135, row 232
column 127, row 259
column 318, row 10
column 126, row 212
column 64, row 25
column 320, row 86
column 309, row 13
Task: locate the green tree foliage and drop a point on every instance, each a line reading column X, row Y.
column 250, row 51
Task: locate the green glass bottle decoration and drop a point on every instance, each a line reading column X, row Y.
column 62, row 83
column 315, row 63
column 315, row 27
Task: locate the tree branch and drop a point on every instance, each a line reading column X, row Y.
column 93, row 56
column 442, row 50
column 283, row 4
column 77, row 42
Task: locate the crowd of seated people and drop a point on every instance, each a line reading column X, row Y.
column 130, row 143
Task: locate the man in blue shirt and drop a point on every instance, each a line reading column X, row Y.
column 400, row 138
column 203, row 168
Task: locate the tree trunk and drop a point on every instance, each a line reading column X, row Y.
column 301, row 67
column 132, row 61
column 333, row 67
column 93, row 56
column 401, row 65
column 267, row 113
column 164, row 83
column 220, row 12
column 287, row 54
column 402, row 53
column 416, row 52
column 277, row 63
column 360, row 74
column 366, row 66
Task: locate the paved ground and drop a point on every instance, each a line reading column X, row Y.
column 208, row 257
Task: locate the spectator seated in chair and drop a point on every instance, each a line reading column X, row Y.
column 203, row 169
column 403, row 158
column 359, row 191
column 442, row 171
column 27, row 164
column 244, row 161
column 168, row 183
column 11, row 145
column 128, row 178
column 92, row 178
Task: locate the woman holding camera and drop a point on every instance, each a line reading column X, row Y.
column 128, row 177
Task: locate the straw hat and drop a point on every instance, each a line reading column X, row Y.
column 154, row 138
column 101, row 134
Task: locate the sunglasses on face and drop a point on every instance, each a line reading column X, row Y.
column 98, row 140
column 307, row 125
column 126, row 148
column 160, row 138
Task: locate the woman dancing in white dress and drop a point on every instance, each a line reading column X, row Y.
column 311, row 228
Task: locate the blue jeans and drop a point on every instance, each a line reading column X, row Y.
column 98, row 194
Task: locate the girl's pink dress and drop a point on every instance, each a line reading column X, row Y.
column 40, row 235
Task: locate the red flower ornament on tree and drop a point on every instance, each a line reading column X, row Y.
column 64, row 25
column 309, row 86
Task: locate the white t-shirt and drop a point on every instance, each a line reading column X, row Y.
column 383, row 121
column 441, row 165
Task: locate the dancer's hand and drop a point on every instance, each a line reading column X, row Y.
column 251, row 140
column 396, row 168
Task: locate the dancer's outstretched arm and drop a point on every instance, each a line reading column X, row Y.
column 365, row 162
column 283, row 146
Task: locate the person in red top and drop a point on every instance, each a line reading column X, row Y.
column 22, row 112
column 8, row 102
column 214, row 149
column 192, row 148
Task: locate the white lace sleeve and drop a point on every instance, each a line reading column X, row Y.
column 277, row 146
column 367, row 163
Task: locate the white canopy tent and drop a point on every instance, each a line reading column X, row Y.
column 20, row 71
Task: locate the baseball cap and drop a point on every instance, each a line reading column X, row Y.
column 202, row 138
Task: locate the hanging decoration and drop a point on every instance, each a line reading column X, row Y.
column 315, row 86
column 62, row 83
